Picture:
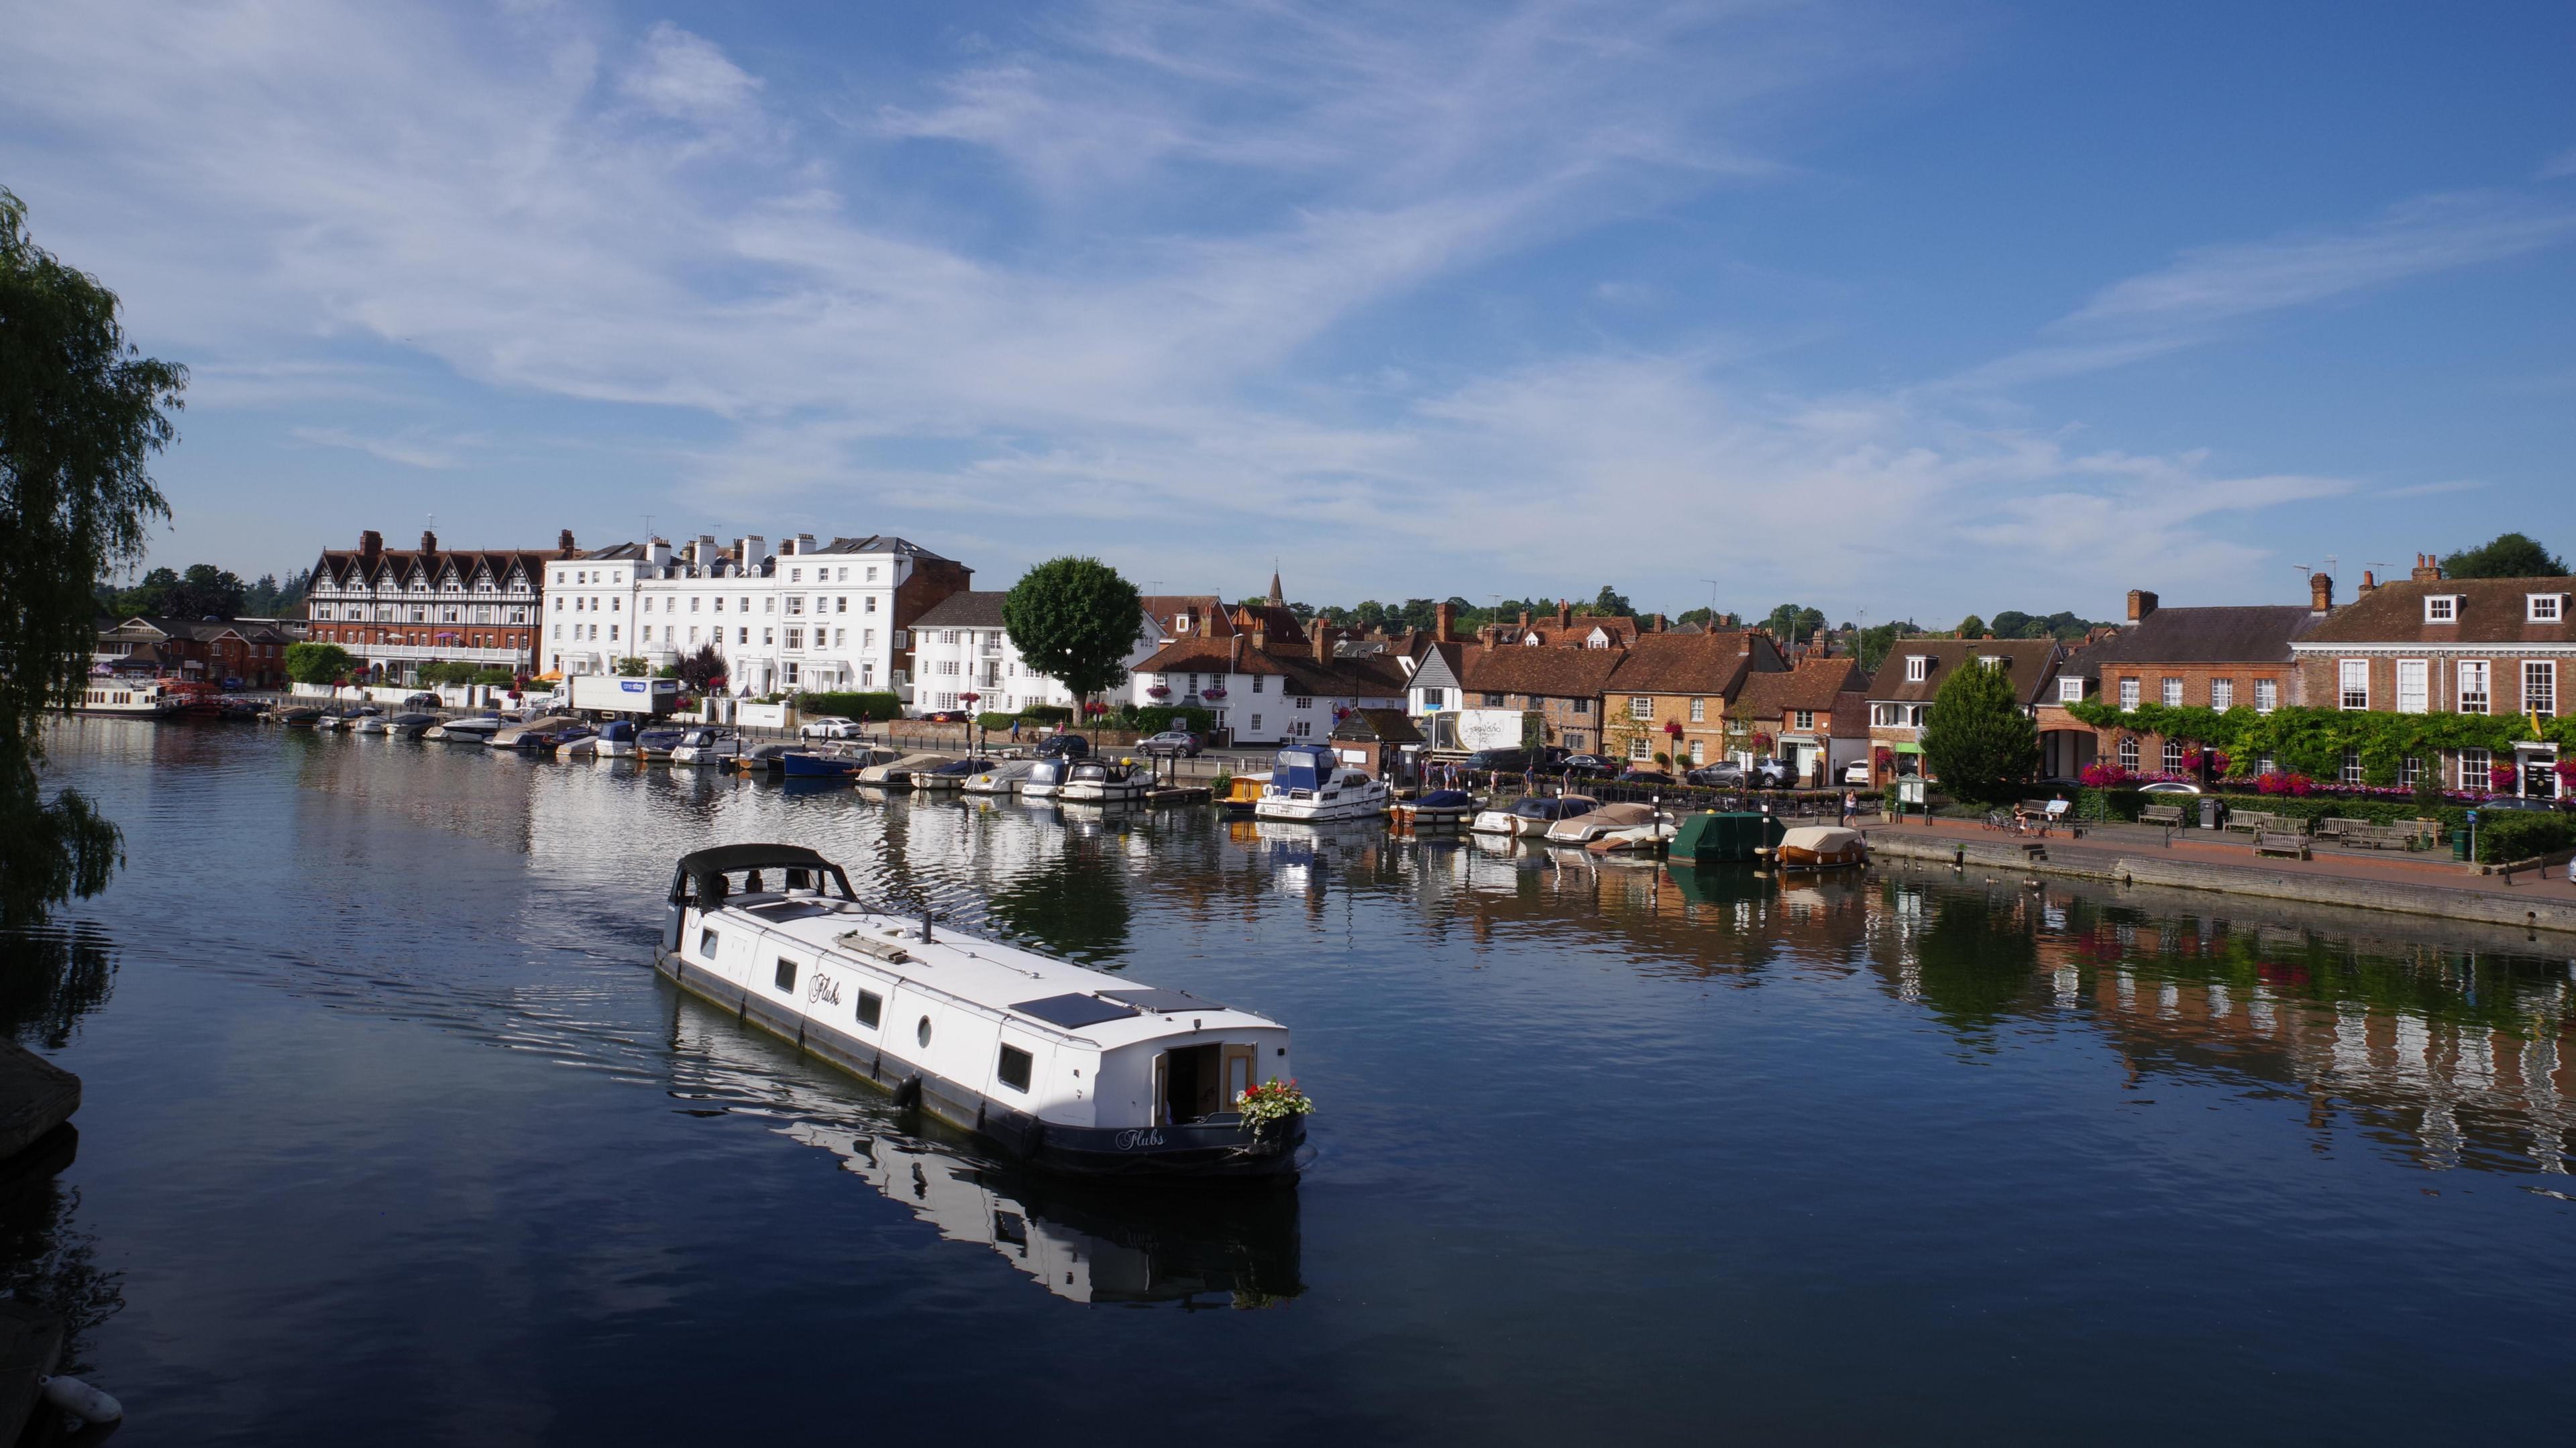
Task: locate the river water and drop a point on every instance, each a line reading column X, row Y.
column 393, row 1136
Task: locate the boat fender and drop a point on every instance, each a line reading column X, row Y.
column 81, row 1400
column 907, row 1092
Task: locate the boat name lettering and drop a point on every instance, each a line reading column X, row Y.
column 824, row 989
column 1130, row 1140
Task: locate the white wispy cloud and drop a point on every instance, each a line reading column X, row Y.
column 2562, row 164
column 410, row 450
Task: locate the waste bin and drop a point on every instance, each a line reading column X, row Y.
column 2460, row 845
column 2208, row 813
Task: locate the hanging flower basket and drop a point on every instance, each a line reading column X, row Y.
column 1761, row 742
column 1272, row 1102
column 2501, row 778
column 1095, row 708
column 1213, row 691
column 1673, row 727
column 1158, row 692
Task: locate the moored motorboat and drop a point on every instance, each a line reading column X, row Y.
column 476, row 730
column 371, row 724
column 952, row 775
column 411, row 726
column 1068, row 1067
column 537, row 734
column 1003, row 778
column 835, row 761
column 705, row 747
column 897, row 773
column 764, row 758
column 616, row 740
column 1820, row 847
column 299, row 718
column 1045, row 777
column 658, row 743
column 1105, row 781
column 1435, row 811
column 1308, row 784
column 132, row 700
column 1592, row 825
column 1242, row 793
column 1533, row 814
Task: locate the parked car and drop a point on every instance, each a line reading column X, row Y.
column 1586, row 766
column 1171, row 741
column 1508, row 761
column 2510, row 802
column 830, row 726
column 1724, row 774
column 1856, row 772
column 1768, row 774
column 1068, row 746
column 1646, row 776
column 2168, row 786
column 421, row 701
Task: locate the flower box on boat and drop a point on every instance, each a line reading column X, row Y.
column 1066, row 1066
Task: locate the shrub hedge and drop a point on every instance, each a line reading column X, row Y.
column 2519, row 835
column 861, row 706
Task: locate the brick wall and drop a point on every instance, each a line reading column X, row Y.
column 2321, row 677
column 2197, row 681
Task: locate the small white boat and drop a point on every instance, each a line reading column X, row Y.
column 1308, row 785
column 1531, row 814
column 536, row 733
column 130, row 700
column 615, row 740
column 1628, row 821
column 705, row 747
column 1820, row 847
column 952, row 775
column 1072, row 1069
column 411, row 726
column 371, row 724
column 1101, row 781
column 898, row 773
column 1004, row 778
column 585, row 747
column 1435, row 811
column 465, row 731
column 1045, row 777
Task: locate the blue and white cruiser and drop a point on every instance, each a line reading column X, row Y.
column 1070, row 1068
column 1309, row 785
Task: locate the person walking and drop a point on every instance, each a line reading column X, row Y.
column 1015, row 729
column 1851, row 806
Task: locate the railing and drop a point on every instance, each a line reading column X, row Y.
column 430, row 652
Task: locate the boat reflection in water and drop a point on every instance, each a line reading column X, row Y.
column 1180, row 1242
column 1200, row 1244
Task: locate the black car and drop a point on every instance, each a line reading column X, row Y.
column 1725, row 774
column 1646, row 776
column 1066, row 746
column 1587, row 766
column 2508, row 802
column 1507, row 761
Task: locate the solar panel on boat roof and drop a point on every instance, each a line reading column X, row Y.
column 1074, row 1011
column 1158, row 999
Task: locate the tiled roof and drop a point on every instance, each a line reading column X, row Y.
column 1671, row 663
column 2032, row 663
column 2258, row 634
column 1813, row 684
column 345, row 566
column 1538, row 671
column 2491, row 611
column 1384, row 726
column 878, row 543
column 970, row 609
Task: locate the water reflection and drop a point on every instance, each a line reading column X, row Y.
column 50, row 977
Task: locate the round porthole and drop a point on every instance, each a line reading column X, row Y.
column 921, row 1032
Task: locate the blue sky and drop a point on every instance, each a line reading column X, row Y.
column 1894, row 309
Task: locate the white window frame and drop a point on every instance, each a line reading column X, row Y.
column 1641, row 706
column 2352, row 683
column 2267, row 695
column 2222, row 694
column 2128, row 752
column 2172, row 757
column 1918, row 667
column 2544, row 608
column 2475, row 779
column 2169, row 691
column 2441, row 608
column 2350, row 773
column 2479, row 699
column 1699, row 711
column 2414, row 686
column 2070, row 691
column 2128, row 694
column 2540, row 683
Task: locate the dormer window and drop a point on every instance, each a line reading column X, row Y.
column 1991, row 661
column 1918, row 667
column 2544, row 607
column 2441, row 608
column 2070, row 691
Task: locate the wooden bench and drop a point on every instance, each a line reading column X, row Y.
column 2169, row 815
column 2260, row 821
column 2384, row 837
column 2333, row 827
column 2275, row 844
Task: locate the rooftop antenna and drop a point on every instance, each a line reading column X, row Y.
column 2331, row 561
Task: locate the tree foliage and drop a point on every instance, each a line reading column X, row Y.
column 318, row 663
column 2507, row 555
column 204, row 591
column 1972, row 627
column 81, row 413
column 703, row 671
column 1611, row 603
column 634, row 666
column 1794, row 623
column 1976, row 739
column 1074, row 620
column 2012, row 623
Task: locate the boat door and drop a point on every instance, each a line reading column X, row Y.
column 1240, row 1062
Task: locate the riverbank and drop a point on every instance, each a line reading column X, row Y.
column 2413, row 886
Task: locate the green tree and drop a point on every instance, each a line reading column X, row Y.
column 1972, row 627
column 1073, row 620
column 634, row 667
column 1873, row 644
column 80, row 414
column 1976, row 739
column 1610, row 602
column 1794, row 623
column 318, row 663
column 2507, row 555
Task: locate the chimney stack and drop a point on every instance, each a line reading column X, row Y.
column 1322, row 635
column 1443, row 619
column 1235, row 660
column 1260, row 636
column 2369, row 585
column 1659, row 623
column 1564, row 614
column 563, row 544
column 1525, row 620
column 428, row 541
column 371, row 545
column 2428, row 569
column 2321, row 593
column 2141, row 604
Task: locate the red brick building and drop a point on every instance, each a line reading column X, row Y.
column 399, row 608
column 1815, row 712
column 228, row 653
column 2227, row 657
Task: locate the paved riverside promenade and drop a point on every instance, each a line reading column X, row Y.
column 2425, row 883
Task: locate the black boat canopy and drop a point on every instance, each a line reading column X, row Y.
column 706, row 870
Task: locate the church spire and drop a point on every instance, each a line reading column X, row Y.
column 1276, row 599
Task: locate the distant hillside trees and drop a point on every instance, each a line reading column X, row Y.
column 2507, row 555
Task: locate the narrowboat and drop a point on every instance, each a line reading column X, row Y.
column 1532, row 815
column 1104, row 781
column 1309, row 785
column 1067, row 1067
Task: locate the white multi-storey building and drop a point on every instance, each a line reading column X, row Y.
column 809, row 616
column 960, row 647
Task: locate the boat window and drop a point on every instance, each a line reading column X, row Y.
column 707, row 944
column 786, row 975
column 1014, row 1069
column 921, row 1032
column 871, row 1008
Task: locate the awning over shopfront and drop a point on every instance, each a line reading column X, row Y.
column 1906, row 748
